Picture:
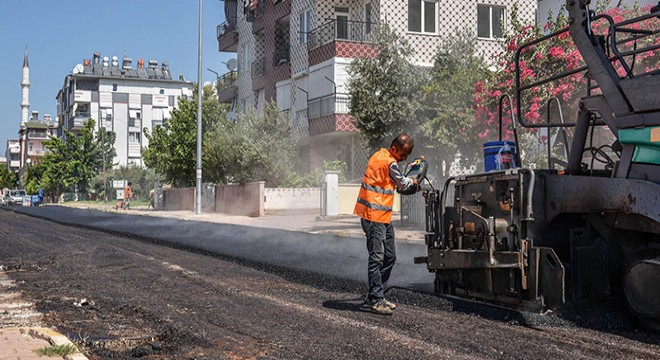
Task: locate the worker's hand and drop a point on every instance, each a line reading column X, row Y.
column 417, row 186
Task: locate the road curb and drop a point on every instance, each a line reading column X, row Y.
column 54, row 338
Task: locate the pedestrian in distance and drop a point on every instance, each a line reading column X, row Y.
column 128, row 195
column 374, row 206
column 152, row 199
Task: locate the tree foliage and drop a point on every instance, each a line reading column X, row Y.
column 74, row 162
column 257, row 147
column 172, row 150
column 143, row 180
column 450, row 130
column 7, row 178
column 384, row 90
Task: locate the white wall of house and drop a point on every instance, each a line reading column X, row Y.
column 449, row 15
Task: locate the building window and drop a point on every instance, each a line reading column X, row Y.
column 367, row 18
column 133, row 137
column 490, row 21
column 422, row 16
column 114, row 87
column 30, row 147
column 133, row 117
column 305, row 25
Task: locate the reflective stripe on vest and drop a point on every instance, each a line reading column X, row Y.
column 377, row 189
column 374, row 206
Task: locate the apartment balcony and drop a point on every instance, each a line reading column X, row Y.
column 77, row 123
column 36, row 153
column 258, row 67
column 226, row 85
column 269, row 11
column 328, row 114
column 14, row 164
column 341, row 38
column 281, row 64
column 227, row 35
column 14, row 150
column 43, row 135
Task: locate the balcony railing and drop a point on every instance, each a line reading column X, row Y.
column 35, row 152
column 38, row 134
column 358, row 31
column 258, row 67
column 281, row 56
column 226, row 80
column 326, row 105
column 254, row 9
column 226, row 27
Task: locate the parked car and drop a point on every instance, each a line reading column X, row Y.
column 15, row 197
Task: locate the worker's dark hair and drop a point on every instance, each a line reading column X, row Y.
column 401, row 140
column 130, row 183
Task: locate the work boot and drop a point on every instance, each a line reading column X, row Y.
column 381, row 308
column 389, row 304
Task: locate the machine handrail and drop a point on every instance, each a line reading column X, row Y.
column 561, row 129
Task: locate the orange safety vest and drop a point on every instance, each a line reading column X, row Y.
column 376, row 196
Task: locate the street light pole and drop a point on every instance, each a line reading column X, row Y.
column 198, row 183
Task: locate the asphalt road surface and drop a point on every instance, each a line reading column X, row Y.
column 137, row 296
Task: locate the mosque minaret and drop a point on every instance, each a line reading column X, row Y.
column 25, row 86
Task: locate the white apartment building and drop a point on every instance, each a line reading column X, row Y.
column 296, row 52
column 121, row 99
column 13, row 155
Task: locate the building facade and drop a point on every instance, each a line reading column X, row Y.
column 120, row 98
column 32, row 134
column 13, row 155
column 297, row 52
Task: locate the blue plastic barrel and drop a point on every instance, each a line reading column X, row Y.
column 495, row 160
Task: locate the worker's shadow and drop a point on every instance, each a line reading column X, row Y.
column 356, row 304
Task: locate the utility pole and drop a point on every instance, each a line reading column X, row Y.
column 198, row 183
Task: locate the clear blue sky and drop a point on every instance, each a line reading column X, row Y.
column 61, row 33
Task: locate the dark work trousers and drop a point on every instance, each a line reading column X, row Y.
column 382, row 256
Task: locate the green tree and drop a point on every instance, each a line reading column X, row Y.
column 7, row 178
column 256, row 147
column 172, row 150
column 143, row 180
column 73, row 162
column 385, row 89
column 32, row 178
column 448, row 100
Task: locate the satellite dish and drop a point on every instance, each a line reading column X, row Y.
column 232, row 116
column 78, row 69
column 231, row 64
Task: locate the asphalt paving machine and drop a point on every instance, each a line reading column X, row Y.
column 534, row 238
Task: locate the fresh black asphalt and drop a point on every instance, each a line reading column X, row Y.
column 329, row 255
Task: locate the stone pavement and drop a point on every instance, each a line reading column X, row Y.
column 19, row 342
column 20, row 333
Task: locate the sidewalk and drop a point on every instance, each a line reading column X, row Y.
column 20, row 335
column 308, row 221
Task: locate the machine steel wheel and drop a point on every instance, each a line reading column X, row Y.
column 640, row 285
